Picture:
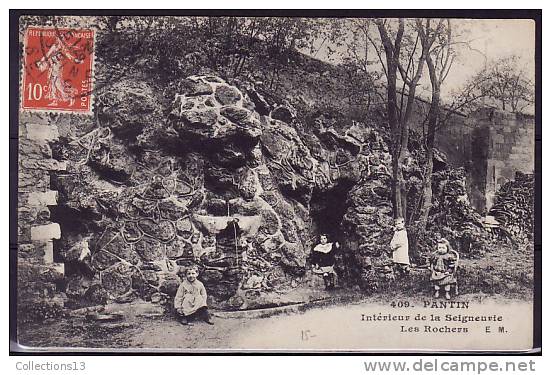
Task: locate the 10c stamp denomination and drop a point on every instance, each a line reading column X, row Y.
column 58, row 69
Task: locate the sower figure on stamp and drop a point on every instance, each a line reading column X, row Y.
column 323, row 260
column 400, row 247
column 443, row 264
column 191, row 299
column 54, row 60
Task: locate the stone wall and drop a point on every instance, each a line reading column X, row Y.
column 509, row 139
column 490, row 144
column 37, row 271
column 453, row 139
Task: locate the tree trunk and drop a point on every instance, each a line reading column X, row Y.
column 397, row 188
column 433, row 116
column 427, row 189
column 392, row 53
column 395, row 142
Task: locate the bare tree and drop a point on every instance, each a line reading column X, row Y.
column 510, row 84
column 403, row 55
column 440, row 58
column 505, row 82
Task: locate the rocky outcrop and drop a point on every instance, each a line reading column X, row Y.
column 514, row 207
column 212, row 180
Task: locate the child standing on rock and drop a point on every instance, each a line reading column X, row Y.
column 400, row 247
column 191, row 299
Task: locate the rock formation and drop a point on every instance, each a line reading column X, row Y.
column 149, row 190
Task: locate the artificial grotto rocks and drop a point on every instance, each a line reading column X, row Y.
column 218, row 177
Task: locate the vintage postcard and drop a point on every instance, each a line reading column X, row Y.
column 259, row 183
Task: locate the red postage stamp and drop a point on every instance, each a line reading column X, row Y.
column 58, row 69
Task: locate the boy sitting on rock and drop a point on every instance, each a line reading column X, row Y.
column 191, row 299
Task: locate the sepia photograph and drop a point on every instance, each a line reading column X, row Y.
column 253, row 181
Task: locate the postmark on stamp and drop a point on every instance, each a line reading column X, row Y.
column 58, row 70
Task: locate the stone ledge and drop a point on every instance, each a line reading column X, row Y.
column 46, row 232
column 39, row 199
column 38, row 132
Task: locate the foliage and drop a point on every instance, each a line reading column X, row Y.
column 229, row 46
column 504, row 83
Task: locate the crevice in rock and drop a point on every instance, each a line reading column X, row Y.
column 328, row 207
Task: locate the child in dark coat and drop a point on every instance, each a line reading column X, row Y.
column 442, row 265
column 323, row 259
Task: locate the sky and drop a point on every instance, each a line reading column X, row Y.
column 489, row 40
column 499, row 38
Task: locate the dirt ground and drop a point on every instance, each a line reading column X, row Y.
column 321, row 327
column 499, row 283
